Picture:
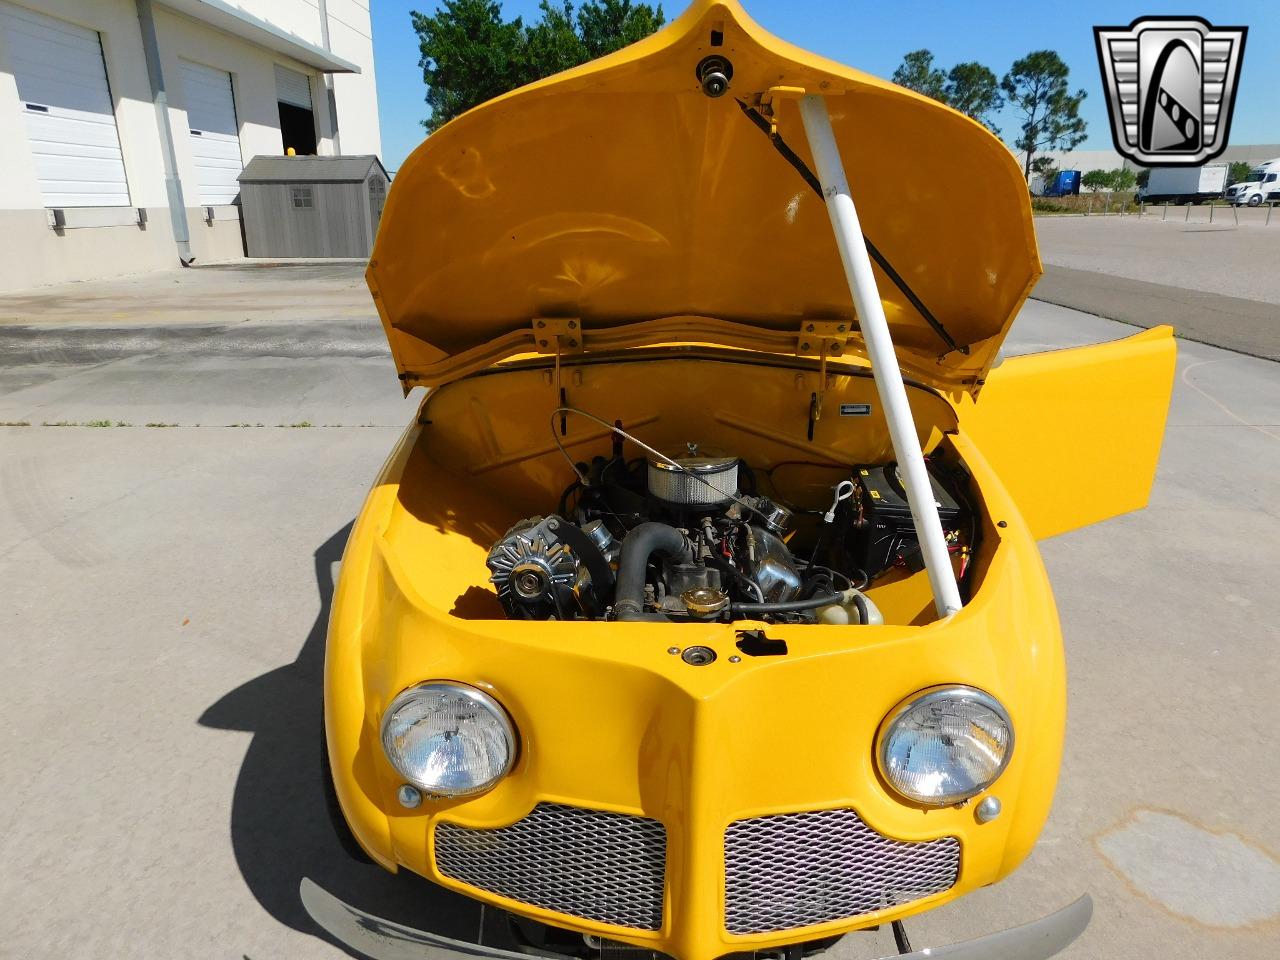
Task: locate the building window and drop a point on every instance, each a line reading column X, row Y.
column 301, row 197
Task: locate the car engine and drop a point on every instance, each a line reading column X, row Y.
column 686, row 537
column 662, row 539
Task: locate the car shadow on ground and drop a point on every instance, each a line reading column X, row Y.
column 281, row 826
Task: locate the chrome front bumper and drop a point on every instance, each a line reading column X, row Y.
column 384, row 940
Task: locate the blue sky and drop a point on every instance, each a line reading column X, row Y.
column 873, row 36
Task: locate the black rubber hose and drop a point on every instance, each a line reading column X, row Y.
column 789, row 606
column 864, row 612
column 638, row 546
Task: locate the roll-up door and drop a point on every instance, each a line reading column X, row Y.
column 293, row 87
column 215, row 136
column 71, row 125
column 297, row 121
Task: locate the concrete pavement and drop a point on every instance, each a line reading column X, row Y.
column 1210, row 258
column 166, row 593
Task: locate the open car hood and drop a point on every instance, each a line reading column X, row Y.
column 617, row 205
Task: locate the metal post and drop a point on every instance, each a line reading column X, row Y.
column 1165, row 215
column 1270, row 207
column 173, row 185
column 1187, row 218
column 884, row 360
column 1211, row 206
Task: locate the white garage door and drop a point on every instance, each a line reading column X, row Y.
column 63, row 91
column 215, row 137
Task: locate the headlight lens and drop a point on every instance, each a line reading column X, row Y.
column 448, row 739
column 945, row 745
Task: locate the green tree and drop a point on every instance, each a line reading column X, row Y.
column 609, row 25
column 1238, row 170
column 1143, row 176
column 1037, row 86
column 1122, row 179
column 1097, row 180
column 917, row 72
column 553, row 43
column 470, row 54
column 1046, row 168
column 1044, row 165
column 973, row 89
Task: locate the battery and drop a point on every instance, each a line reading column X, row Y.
column 886, row 535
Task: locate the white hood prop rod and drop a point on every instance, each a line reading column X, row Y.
column 884, row 360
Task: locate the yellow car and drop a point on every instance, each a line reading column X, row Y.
column 699, row 609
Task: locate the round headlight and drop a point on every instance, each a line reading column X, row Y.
column 945, row 745
column 448, row 739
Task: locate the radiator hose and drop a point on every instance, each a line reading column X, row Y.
column 638, row 546
column 795, row 606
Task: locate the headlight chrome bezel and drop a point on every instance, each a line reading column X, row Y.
column 481, row 700
column 952, row 691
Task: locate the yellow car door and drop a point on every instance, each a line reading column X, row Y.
column 1075, row 434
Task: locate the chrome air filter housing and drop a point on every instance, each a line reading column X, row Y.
column 699, row 480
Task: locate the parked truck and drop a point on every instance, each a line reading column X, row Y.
column 1258, row 182
column 1064, row 183
column 1184, row 184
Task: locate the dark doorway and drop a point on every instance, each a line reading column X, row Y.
column 298, row 129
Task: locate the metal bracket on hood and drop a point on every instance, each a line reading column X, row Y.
column 821, row 339
column 769, row 100
column 558, row 335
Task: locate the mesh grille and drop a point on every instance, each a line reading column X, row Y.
column 798, row 869
column 607, row 867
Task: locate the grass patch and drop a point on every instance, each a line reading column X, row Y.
column 301, row 423
column 85, row 423
column 1090, row 204
column 15, row 423
column 161, row 424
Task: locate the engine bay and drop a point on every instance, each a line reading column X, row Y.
column 698, row 534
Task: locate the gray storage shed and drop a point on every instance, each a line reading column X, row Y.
column 312, row 206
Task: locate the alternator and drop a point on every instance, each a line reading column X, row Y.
column 534, row 571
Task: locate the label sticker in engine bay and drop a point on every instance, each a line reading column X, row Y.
column 855, row 409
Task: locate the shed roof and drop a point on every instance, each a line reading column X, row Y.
column 352, row 169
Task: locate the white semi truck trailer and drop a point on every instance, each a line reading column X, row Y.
column 1258, row 182
column 1185, row 184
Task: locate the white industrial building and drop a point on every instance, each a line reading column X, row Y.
column 115, row 115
